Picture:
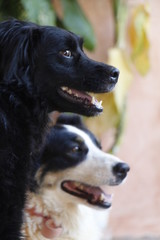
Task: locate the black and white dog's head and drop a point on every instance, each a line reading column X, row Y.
column 73, row 166
column 56, row 66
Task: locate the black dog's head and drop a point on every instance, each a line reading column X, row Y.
column 58, row 69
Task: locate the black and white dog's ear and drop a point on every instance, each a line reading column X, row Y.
column 77, row 121
column 71, row 119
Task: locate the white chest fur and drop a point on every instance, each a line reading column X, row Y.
column 78, row 222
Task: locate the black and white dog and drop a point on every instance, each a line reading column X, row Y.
column 42, row 69
column 68, row 184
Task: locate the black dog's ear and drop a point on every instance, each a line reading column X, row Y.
column 35, row 36
column 71, row 119
column 18, row 46
column 31, row 41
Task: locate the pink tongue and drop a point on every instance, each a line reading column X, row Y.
column 96, row 193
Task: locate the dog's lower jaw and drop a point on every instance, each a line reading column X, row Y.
column 78, row 109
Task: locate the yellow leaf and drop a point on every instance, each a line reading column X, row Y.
column 118, row 58
column 138, row 36
column 108, row 119
column 113, row 103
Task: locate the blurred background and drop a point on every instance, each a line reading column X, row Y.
column 126, row 34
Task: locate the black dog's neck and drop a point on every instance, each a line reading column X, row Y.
column 28, row 107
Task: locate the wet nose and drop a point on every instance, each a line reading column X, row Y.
column 114, row 74
column 120, row 170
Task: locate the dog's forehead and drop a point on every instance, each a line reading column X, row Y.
column 81, row 135
column 63, row 37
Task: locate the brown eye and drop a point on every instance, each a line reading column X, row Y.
column 66, row 53
column 75, row 149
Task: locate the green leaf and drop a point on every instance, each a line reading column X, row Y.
column 74, row 20
column 120, row 14
column 39, row 11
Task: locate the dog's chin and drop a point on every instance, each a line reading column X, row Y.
column 80, row 102
column 94, row 196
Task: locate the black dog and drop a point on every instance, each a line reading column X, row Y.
column 41, row 69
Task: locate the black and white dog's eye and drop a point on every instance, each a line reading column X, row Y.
column 66, row 53
column 76, row 149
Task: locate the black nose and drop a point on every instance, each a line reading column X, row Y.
column 120, row 170
column 114, row 74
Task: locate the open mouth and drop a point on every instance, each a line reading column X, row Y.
column 93, row 195
column 84, row 98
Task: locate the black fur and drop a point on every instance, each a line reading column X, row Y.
column 32, row 70
column 22, row 121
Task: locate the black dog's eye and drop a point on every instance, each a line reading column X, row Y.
column 66, row 53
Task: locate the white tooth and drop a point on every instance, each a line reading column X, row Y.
column 102, row 197
column 77, row 184
column 99, row 104
column 64, row 88
column 81, row 187
column 76, row 95
column 93, row 100
column 96, row 103
column 69, row 91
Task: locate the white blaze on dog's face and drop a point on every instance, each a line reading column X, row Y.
column 74, row 167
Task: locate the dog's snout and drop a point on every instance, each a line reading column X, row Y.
column 114, row 74
column 121, row 169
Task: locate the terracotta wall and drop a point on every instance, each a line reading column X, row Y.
column 136, row 205
column 101, row 16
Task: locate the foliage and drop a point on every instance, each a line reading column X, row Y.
column 39, row 11
column 75, row 20
column 44, row 13
column 14, row 8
